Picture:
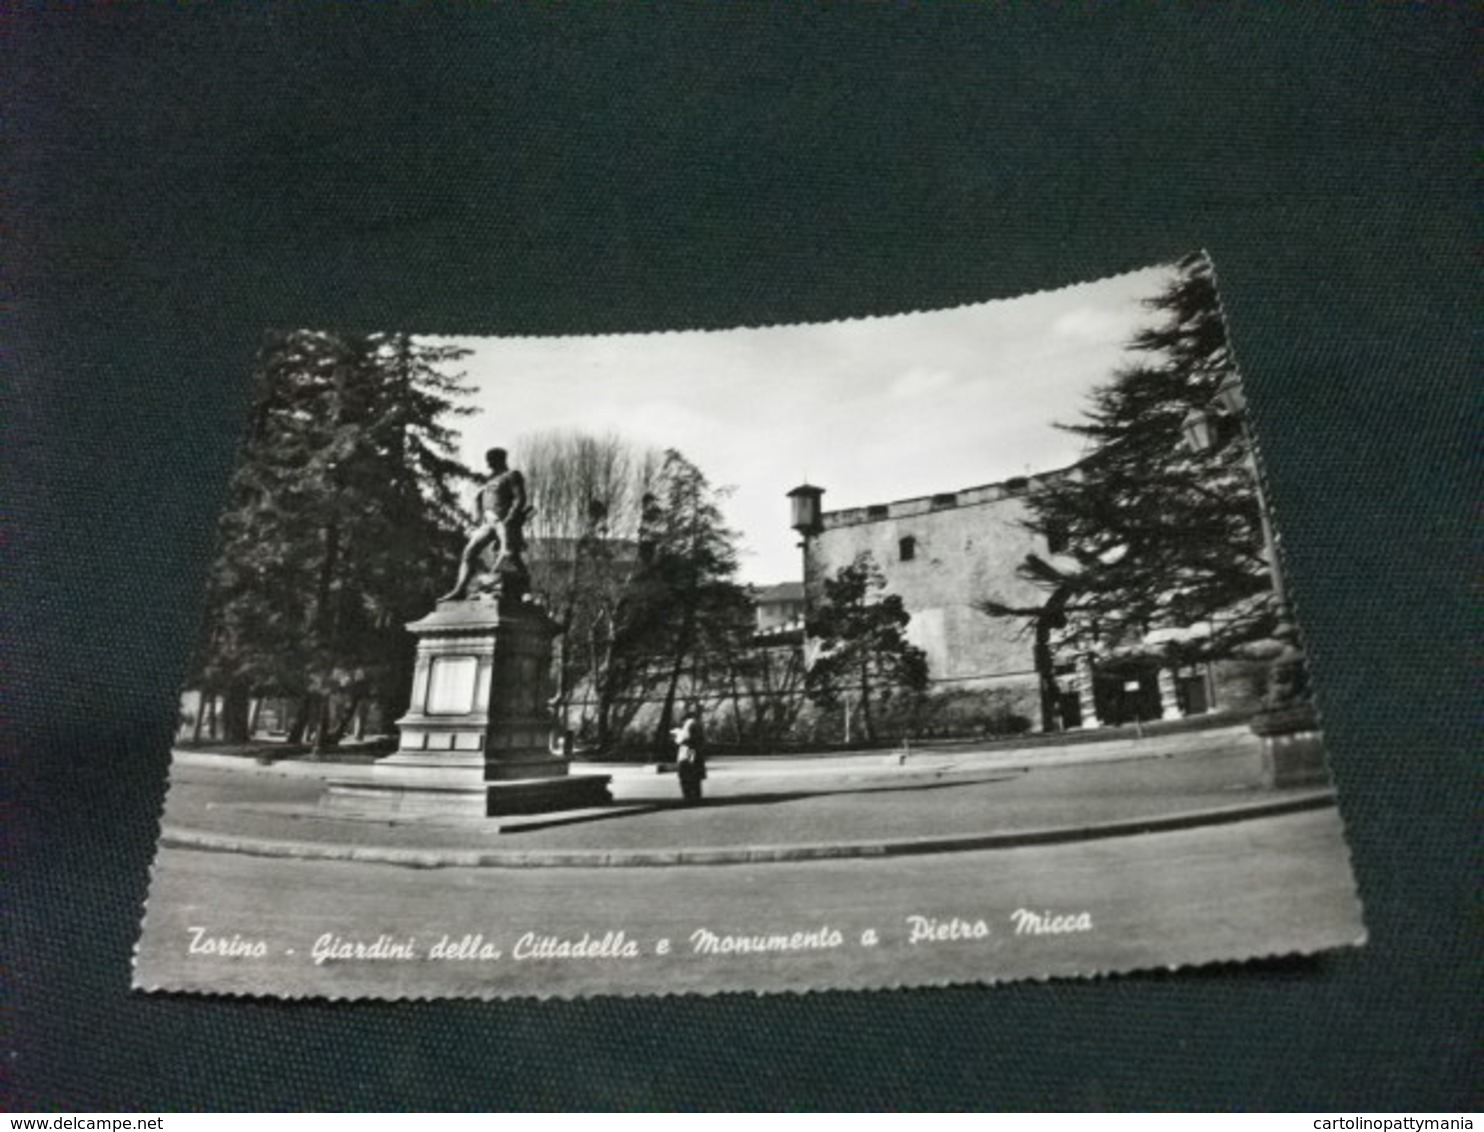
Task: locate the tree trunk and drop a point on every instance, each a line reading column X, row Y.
column 868, row 729
column 342, row 725
column 1046, row 677
column 325, row 624
column 791, row 698
column 236, row 703
column 600, row 723
column 325, row 736
column 599, row 675
column 300, row 723
column 667, row 711
column 200, row 719
column 736, row 701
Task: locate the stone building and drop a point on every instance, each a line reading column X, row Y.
column 780, row 608
column 942, row 554
column 945, row 553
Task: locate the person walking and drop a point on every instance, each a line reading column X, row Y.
column 690, row 758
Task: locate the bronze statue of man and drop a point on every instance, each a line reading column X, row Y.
column 500, row 523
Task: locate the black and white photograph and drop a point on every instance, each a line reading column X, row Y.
column 938, row 647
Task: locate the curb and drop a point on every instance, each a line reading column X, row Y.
column 1110, row 749
column 176, row 838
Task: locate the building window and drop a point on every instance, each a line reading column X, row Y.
column 1056, row 538
column 945, row 499
column 907, row 549
column 877, row 511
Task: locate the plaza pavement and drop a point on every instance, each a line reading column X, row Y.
column 757, row 809
column 1170, row 850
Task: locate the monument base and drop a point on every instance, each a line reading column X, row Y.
column 547, row 795
column 433, row 792
column 390, row 798
column 476, row 738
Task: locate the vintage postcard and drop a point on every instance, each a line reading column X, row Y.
column 933, row 648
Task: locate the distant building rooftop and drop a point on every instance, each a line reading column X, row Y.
column 780, row 592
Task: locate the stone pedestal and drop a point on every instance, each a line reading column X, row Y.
column 1292, row 746
column 477, row 735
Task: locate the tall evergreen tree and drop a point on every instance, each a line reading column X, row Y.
column 687, row 600
column 1154, row 533
column 863, row 650
column 343, row 519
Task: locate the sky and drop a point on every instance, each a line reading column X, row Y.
column 872, row 410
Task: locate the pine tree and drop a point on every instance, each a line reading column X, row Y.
column 1153, row 534
column 862, row 646
column 343, row 518
column 687, row 600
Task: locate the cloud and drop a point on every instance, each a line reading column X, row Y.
column 1090, row 324
column 920, row 381
column 665, row 424
column 872, row 409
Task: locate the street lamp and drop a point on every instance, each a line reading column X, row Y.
column 806, row 511
column 808, row 521
column 1289, row 726
column 1203, row 434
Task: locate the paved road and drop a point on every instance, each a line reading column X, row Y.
column 769, row 802
column 1266, row 886
column 1259, row 886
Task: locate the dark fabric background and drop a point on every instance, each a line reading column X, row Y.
column 186, row 176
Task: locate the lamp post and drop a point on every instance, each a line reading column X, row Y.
column 807, row 521
column 1293, row 752
column 806, row 509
